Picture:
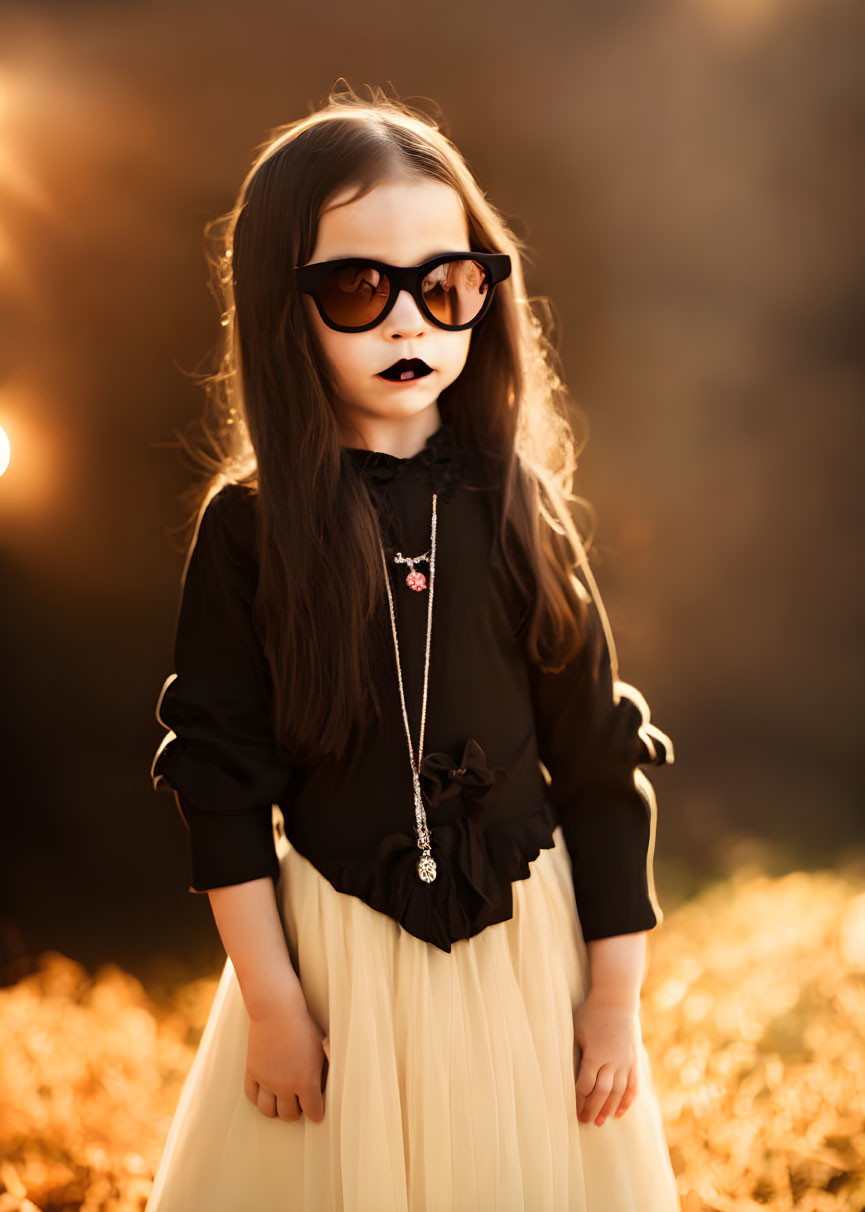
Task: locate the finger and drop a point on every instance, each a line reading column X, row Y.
column 613, row 1100
column 630, row 1092
column 288, row 1108
column 312, row 1102
column 598, row 1095
column 267, row 1103
column 587, row 1075
column 592, row 1096
column 250, row 1089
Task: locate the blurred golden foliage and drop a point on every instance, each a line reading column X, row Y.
column 91, row 1071
column 752, row 1014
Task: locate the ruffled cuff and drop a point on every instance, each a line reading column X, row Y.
column 229, row 847
column 656, row 747
column 611, row 845
column 631, row 818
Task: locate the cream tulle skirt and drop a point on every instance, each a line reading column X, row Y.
column 450, row 1086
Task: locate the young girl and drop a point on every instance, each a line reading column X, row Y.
column 389, row 632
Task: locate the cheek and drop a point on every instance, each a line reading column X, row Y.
column 342, row 353
column 460, row 351
column 348, row 357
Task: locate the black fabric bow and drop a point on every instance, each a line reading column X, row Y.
column 445, row 777
column 477, row 862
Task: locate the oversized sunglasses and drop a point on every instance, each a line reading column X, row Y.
column 453, row 290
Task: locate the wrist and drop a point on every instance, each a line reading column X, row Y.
column 264, row 992
column 617, row 966
column 612, row 998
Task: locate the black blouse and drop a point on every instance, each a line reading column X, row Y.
column 510, row 752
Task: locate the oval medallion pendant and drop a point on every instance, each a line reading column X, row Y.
column 426, row 868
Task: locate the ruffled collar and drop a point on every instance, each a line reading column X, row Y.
column 441, row 456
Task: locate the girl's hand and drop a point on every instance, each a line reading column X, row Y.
column 287, row 1060
column 607, row 1032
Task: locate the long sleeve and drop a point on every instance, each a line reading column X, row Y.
column 218, row 756
column 593, row 732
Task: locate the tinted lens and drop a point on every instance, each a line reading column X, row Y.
column 354, row 295
column 455, row 291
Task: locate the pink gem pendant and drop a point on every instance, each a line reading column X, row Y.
column 416, row 580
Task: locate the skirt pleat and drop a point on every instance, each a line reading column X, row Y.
column 450, row 1085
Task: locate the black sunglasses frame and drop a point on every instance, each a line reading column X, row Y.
column 496, row 266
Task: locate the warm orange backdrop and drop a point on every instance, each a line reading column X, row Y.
column 689, row 176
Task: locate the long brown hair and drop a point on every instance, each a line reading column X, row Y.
column 274, row 429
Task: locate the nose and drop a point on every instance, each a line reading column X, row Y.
column 405, row 317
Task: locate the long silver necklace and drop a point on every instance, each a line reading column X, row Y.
column 426, row 864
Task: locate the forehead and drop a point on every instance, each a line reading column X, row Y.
column 402, row 222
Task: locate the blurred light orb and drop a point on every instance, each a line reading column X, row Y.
column 5, row 450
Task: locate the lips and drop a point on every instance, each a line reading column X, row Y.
column 406, row 369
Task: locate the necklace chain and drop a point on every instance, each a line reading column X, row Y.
column 399, row 558
column 426, row 864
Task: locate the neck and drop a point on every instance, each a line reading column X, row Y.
column 399, row 436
